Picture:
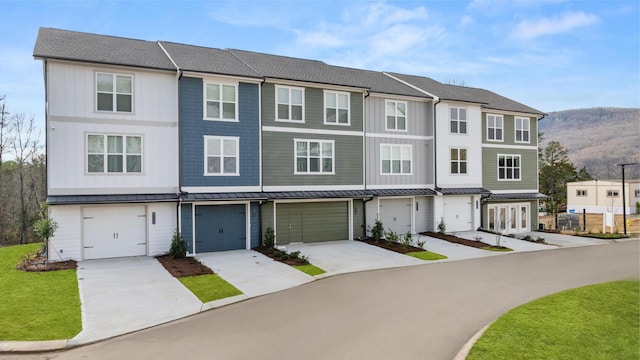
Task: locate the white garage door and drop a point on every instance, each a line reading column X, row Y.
column 458, row 212
column 114, row 231
column 395, row 214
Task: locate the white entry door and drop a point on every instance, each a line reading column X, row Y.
column 509, row 218
column 114, row 231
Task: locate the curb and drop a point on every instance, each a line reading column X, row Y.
column 32, row 346
column 464, row 351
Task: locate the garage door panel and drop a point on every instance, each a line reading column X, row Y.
column 312, row 222
column 114, row 232
column 395, row 214
column 458, row 213
column 220, row 227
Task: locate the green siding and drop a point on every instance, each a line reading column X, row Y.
column 312, row 222
column 509, row 130
column 278, row 160
column 533, row 212
column 266, row 218
column 528, row 168
column 358, row 219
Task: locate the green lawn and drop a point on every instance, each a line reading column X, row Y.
column 497, row 249
column 593, row 322
column 310, row 269
column 426, row 255
column 38, row 305
column 209, row 287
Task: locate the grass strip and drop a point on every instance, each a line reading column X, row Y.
column 37, row 305
column 310, row 269
column 209, row 287
column 593, row 322
column 426, row 255
column 496, row 249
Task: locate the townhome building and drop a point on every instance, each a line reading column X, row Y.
column 147, row 138
column 111, row 144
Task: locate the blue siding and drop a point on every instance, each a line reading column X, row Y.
column 187, row 228
column 193, row 129
column 255, row 225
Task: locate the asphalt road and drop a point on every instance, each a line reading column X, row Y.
column 417, row 312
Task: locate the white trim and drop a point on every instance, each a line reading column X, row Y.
column 105, row 154
column 289, row 104
column 524, row 120
column 466, row 120
column 510, row 147
column 466, row 161
column 337, row 108
column 222, row 139
column 220, row 84
column 402, row 186
column 398, row 136
column 295, row 83
column 193, row 228
column 400, row 97
column 219, row 189
column 114, row 93
column 494, row 127
column 519, row 167
column 195, row 74
column 321, row 157
column 323, row 200
column 298, row 130
column 406, row 115
column 523, row 191
column 110, row 121
column 435, row 98
column 402, row 148
column 312, row 188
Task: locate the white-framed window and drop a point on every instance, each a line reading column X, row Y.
column 458, row 161
column 580, row 192
column 289, row 104
column 396, row 115
column 495, row 127
column 522, row 128
column 221, row 155
column 637, row 193
column 114, row 92
column 336, row 107
column 458, row 120
column 314, row 156
column 396, row 159
column 220, row 102
column 508, row 167
column 613, row 193
column 114, row 153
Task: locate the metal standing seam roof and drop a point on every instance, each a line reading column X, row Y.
column 518, row 196
column 462, row 191
column 488, row 99
column 102, row 49
column 110, row 199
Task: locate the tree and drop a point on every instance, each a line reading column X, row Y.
column 45, row 228
column 556, row 170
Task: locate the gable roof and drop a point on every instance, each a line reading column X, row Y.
column 101, row 49
column 488, row 99
column 207, row 60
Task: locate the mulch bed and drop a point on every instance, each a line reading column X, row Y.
column 40, row 263
column 393, row 246
column 183, row 267
column 281, row 256
column 461, row 241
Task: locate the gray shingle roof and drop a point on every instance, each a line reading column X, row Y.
column 110, row 199
column 488, row 99
column 78, row 46
column 207, row 60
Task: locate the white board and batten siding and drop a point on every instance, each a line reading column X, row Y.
column 401, row 214
column 102, row 231
column 72, row 116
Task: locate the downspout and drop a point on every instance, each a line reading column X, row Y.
column 435, row 147
column 364, row 160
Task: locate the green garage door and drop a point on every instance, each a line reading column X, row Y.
column 312, row 222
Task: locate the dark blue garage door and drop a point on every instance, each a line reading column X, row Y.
column 220, row 227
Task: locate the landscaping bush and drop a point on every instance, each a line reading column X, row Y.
column 407, row 240
column 178, row 249
column 269, row 237
column 442, row 227
column 377, row 231
column 391, row 236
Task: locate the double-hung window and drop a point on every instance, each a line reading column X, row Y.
column 508, row 167
column 114, row 154
column 289, row 104
column 314, row 156
column 221, row 155
column 581, row 192
column 458, row 161
column 522, row 129
column 458, row 120
column 336, row 108
column 395, row 159
column 220, row 102
column 114, row 92
column 396, row 115
column 613, row 193
column 495, row 125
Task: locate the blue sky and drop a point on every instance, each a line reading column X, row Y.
column 551, row 55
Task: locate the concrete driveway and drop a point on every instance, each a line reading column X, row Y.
column 566, row 240
column 122, row 295
column 253, row 273
column 338, row 257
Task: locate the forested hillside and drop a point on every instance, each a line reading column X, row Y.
column 597, row 138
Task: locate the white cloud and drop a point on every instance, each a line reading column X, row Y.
column 529, row 29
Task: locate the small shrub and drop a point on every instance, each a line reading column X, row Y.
column 391, row 236
column 540, row 240
column 637, row 207
column 527, row 238
column 45, row 227
column 269, row 237
column 407, row 239
column 294, row 254
column 478, row 238
column 377, row 231
column 421, row 242
column 442, row 226
column 178, row 249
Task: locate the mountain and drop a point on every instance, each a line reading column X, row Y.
column 597, row 138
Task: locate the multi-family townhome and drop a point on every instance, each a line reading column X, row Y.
column 312, row 149
column 489, row 146
column 219, row 131
column 145, row 138
column 111, row 144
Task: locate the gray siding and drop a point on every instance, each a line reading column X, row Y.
column 419, row 117
column 422, row 166
column 424, row 214
column 313, row 110
column 278, row 160
column 358, row 219
column 528, row 166
column 266, row 217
